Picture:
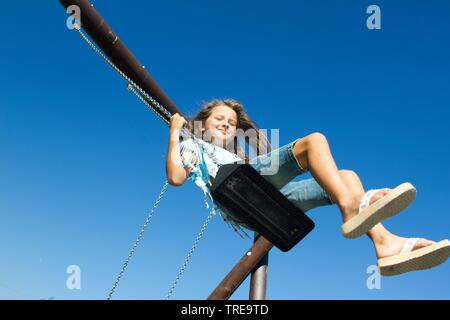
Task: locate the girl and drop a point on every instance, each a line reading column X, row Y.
column 215, row 133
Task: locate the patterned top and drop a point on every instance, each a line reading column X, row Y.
column 202, row 157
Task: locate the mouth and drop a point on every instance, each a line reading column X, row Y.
column 224, row 132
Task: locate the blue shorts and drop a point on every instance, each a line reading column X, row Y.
column 280, row 167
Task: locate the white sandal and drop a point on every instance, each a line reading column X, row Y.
column 370, row 214
column 420, row 259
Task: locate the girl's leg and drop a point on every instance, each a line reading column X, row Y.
column 313, row 154
column 352, row 181
column 386, row 244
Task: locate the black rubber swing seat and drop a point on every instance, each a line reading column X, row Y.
column 254, row 200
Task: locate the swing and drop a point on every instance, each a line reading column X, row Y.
column 243, row 191
column 237, row 187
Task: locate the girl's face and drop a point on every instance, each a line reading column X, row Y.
column 221, row 125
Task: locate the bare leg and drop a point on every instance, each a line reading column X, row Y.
column 313, row 154
column 385, row 243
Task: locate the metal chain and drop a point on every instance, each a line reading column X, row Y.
column 151, row 103
column 144, row 96
column 155, row 104
column 188, row 257
column 133, row 89
column 211, row 155
column 136, row 242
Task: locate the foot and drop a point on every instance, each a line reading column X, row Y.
column 393, row 245
column 351, row 208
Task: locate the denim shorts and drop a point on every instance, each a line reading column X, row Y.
column 280, row 167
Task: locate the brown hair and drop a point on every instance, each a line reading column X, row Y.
column 259, row 145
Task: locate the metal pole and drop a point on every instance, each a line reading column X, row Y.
column 241, row 270
column 258, row 280
column 99, row 31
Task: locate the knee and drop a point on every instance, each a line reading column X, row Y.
column 316, row 138
column 349, row 176
column 302, row 145
column 348, row 173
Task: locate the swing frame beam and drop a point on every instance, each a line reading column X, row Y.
column 100, row 32
column 255, row 260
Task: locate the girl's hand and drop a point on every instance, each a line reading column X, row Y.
column 177, row 122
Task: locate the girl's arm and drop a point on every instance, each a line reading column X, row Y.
column 175, row 171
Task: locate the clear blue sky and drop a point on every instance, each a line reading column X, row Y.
column 82, row 160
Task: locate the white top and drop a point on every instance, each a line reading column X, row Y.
column 204, row 164
column 219, row 154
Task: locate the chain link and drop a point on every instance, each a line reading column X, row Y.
column 188, row 257
column 144, row 97
column 136, row 89
column 136, row 242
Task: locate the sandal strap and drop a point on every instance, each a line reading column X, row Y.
column 409, row 245
column 365, row 200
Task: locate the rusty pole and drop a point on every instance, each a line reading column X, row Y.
column 99, row 31
column 258, row 279
column 241, row 270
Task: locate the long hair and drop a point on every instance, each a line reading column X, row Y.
column 259, row 144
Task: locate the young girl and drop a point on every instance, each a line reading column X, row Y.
column 214, row 130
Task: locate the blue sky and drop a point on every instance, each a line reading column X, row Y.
column 82, row 160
